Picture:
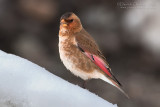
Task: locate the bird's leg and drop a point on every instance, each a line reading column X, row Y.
column 84, row 84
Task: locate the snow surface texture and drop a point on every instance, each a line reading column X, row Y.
column 25, row 84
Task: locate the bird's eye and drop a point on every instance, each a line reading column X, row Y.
column 71, row 20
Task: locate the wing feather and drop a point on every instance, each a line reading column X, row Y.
column 88, row 46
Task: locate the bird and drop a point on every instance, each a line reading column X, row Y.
column 80, row 53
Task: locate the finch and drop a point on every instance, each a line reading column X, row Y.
column 80, row 53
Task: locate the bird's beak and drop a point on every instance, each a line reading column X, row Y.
column 63, row 23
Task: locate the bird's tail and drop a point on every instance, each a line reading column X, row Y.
column 112, row 82
column 123, row 91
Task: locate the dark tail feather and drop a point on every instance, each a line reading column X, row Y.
column 114, row 78
column 113, row 81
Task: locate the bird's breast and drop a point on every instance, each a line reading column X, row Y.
column 66, row 50
column 69, row 53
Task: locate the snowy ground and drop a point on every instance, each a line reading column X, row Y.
column 25, row 84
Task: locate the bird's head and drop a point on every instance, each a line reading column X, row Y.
column 70, row 22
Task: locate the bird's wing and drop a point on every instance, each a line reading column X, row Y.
column 87, row 45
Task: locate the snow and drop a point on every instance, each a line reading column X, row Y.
column 25, row 84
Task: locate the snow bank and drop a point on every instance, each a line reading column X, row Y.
column 25, row 84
